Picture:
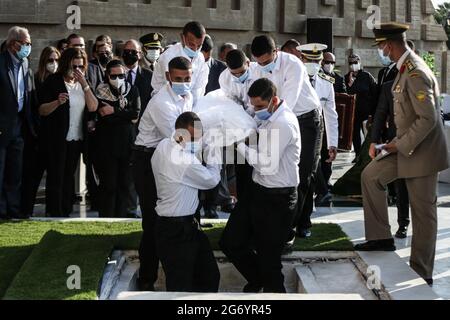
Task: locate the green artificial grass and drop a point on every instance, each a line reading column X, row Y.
column 34, row 256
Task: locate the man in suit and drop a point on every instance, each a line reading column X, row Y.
column 16, row 90
column 417, row 154
column 328, row 66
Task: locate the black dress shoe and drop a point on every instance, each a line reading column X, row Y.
column 377, row 245
column 429, row 282
column 145, row 286
column 19, row 217
column 402, row 233
column 287, row 249
column 304, row 233
column 4, row 217
column 323, row 200
column 211, row 213
column 252, row 288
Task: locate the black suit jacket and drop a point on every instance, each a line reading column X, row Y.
column 8, row 98
column 390, row 76
column 339, row 83
column 384, row 113
column 143, row 83
column 366, row 90
column 217, row 67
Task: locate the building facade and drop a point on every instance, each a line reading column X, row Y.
column 235, row 21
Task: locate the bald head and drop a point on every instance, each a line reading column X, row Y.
column 132, row 45
column 328, row 56
column 328, row 62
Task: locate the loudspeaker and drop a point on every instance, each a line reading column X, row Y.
column 320, row 30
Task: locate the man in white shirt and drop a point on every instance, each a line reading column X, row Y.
column 184, row 249
column 312, row 56
column 190, row 47
column 157, row 123
column 291, row 79
column 253, row 240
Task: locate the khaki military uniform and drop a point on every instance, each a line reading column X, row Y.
column 422, row 153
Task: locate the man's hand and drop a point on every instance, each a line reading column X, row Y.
column 391, row 148
column 332, row 152
column 105, row 110
column 373, row 151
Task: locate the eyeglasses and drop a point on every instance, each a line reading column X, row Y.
column 329, row 62
column 75, row 67
column 353, row 62
column 52, row 60
column 115, row 76
column 28, row 44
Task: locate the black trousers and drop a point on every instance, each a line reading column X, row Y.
column 34, row 166
column 324, row 170
column 146, row 190
column 115, row 184
column 91, row 159
column 186, row 256
column 11, row 157
column 253, row 240
column 311, row 127
column 402, row 203
column 357, row 127
column 60, row 183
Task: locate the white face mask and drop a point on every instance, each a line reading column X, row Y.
column 119, row 84
column 355, row 67
column 328, row 68
column 52, row 67
column 153, row 55
column 312, row 68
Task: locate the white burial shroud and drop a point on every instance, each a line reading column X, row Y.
column 224, row 121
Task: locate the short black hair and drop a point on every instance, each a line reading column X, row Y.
column 262, row 45
column 263, row 88
column 180, row 63
column 113, row 64
column 73, row 36
column 186, row 120
column 227, row 45
column 235, row 59
column 290, row 44
column 208, row 44
column 196, row 28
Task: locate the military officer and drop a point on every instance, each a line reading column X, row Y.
column 151, row 43
column 312, row 56
column 417, row 154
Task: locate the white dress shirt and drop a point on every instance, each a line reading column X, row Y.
column 292, row 82
column 77, row 104
column 239, row 91
column 178, row 177
column 325, row 91
column 277, row 157
column 158, row 120
column 200, row 71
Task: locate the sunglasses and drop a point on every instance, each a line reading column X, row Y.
column 75, row 67
column 115, row 76
column 52, row 60
column 134, row 52
column 329, row 62
column 354, row 62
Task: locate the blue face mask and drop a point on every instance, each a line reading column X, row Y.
column 269, row 68
column 385, row 60
column 24, row 52
column 242, row 78
column 181, row 88
column 190, row 53
column 193, row 147
column 264, row 114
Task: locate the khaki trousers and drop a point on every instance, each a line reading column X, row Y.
column 423, row 199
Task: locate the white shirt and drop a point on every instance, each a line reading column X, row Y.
column 158, row 120
column 178, row 177
column 292, row 82
column 200, row 71
column 325, row 91
column 402, row 59
column 239, row 91
column 276, row 161
column 77, row 104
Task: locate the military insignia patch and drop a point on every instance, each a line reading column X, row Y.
column 410, row 65
column 414, row 75
column 327, row 77
column 421, row 96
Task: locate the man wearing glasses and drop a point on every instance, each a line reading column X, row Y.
column 16, row 89
column 329, row 66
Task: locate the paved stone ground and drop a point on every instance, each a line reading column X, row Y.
column 351, row 218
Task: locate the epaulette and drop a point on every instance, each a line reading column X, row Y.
column 327, row 77
column 410, row 65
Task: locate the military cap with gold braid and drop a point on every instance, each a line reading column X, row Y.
column 390, row 31
column 312, row 51
column 152, row 40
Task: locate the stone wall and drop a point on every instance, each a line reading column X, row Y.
column 230, row 21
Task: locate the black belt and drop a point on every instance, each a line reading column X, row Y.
column 287, row 190
column 310, row 114
column 190, row 218
column 143, row 149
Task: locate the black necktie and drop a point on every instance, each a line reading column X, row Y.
column 313, row 82
column 130, row 77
